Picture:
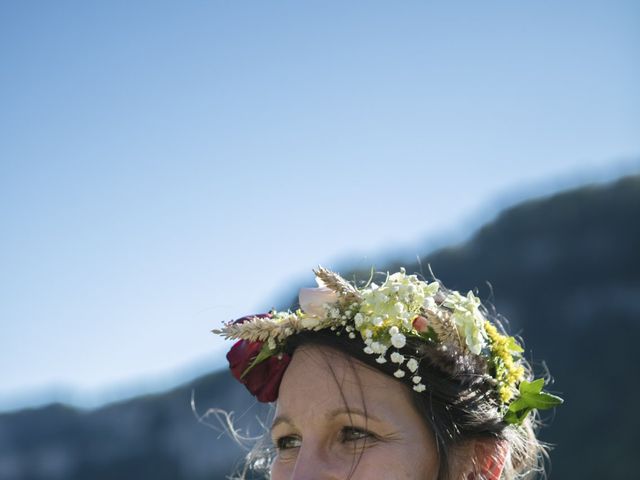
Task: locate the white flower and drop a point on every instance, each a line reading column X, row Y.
column 394, row 331
column 471, row 328
column 468, row 319
column 358, row 319
column 352, row 335
column 398, row 373
column 368, row 333
column 310, row 322
column 431, row 289
column 412, row 365
column 416, row 379
column 419, row 388
column 368, row 350
column 399, row 307
column 381, row 359
column 397, row 357
column 398, row 340
column 313, row 300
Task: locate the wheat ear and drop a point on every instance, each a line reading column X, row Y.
column 347, row 292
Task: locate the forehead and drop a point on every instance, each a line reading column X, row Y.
column 321, row 379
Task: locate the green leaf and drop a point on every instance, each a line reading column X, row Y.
column 264, row 353
column 513, row 345
column 515, row 418
column 531, row 387
column 531, row 397
column 542, row 400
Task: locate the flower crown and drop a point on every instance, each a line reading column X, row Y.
column 384, row 317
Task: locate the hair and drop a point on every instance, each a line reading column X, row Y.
column 458, row 408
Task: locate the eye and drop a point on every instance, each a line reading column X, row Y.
column 288, row 442
column 354, row 434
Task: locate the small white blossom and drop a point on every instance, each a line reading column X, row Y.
column 398, row 373
column 394, row 331
column 419, row 388
column 412, row 365
column 429, row 303
column 399, row 307
column 310, row 322
column 468, row 318
column 377, row 321
column 358, row 319
column 368, row 350
column 416, row 378
column 352, row 335
column 397, row 357
column 381, row 359
column 368, row 333
column 398, row 340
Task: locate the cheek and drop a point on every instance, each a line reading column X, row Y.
column 397, row 462
column 280, row 470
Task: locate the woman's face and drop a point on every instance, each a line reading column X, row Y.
column 336, row 417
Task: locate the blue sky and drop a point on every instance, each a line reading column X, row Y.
column 165, row 166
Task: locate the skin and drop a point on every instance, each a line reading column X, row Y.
column 333, row 411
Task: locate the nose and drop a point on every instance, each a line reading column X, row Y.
column 316, row 463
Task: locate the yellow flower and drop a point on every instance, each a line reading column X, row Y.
column 504, row 354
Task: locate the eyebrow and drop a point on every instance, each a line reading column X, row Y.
column 331, row 414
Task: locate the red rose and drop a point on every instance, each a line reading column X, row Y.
column 241, row 355
column 263, row 380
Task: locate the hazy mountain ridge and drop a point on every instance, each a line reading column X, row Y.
column 155, row 436
column 564, row 270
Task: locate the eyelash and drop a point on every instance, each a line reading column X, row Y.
column 283, row 442
column 362, row 434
